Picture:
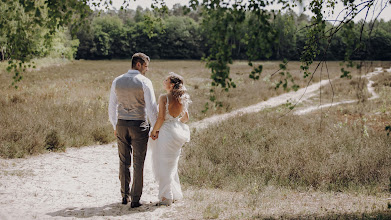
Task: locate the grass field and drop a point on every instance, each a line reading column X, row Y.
column 65, row 104
column 239, row 168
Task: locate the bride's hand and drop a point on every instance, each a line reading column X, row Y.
column 154, row 134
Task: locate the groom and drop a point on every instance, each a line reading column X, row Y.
column 132, row 101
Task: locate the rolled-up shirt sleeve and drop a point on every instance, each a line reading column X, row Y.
column 113, row 102
column 150, row 102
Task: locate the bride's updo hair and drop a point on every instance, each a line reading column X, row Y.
column 179, row 90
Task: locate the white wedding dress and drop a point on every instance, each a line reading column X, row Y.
column 165, row 155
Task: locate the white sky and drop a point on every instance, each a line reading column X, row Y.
column 386, row 14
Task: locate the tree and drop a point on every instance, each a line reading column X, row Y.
column 21, row 21
column 180, row 38
column 380, row 45
column 19, row 30
column 109, row 37
column 285, row 47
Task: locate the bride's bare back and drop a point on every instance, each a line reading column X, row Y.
column 175, row 108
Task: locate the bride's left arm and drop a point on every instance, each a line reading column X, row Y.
column 160, row 118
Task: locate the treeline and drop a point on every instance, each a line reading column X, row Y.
column 117, row 34
column 180, row 35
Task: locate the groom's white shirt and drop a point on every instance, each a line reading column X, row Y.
column 150, row 107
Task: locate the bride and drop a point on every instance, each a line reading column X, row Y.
column 170, row 134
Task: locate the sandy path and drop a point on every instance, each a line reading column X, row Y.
column 293, row 97
column 371, row 90
column 299, row 96
column 80, row 183
column 83, row 182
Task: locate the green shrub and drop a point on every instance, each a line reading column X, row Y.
column 101, row 135
column 53, row 141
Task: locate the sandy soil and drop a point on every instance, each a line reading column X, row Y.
column 83, row 182
column 79, row 183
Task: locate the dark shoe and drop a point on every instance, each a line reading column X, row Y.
column 135, row 204
column 125, row 200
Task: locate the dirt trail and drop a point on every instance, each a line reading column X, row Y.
column 371, row 90
column 83, row 182
column 293, row 97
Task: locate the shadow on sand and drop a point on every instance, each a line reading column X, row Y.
column 115, row 209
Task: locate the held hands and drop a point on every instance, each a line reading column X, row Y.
column 154, row 134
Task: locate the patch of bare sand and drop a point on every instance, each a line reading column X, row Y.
column 79, row 183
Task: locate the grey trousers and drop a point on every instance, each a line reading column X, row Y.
column 132, row 142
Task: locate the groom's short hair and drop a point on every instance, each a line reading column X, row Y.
column 139, row 58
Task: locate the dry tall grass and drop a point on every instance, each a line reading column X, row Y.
column 291, row 151
column 57, row 106
column 345, row 148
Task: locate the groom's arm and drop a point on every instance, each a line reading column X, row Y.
column 113, row 107
column 150, row 102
